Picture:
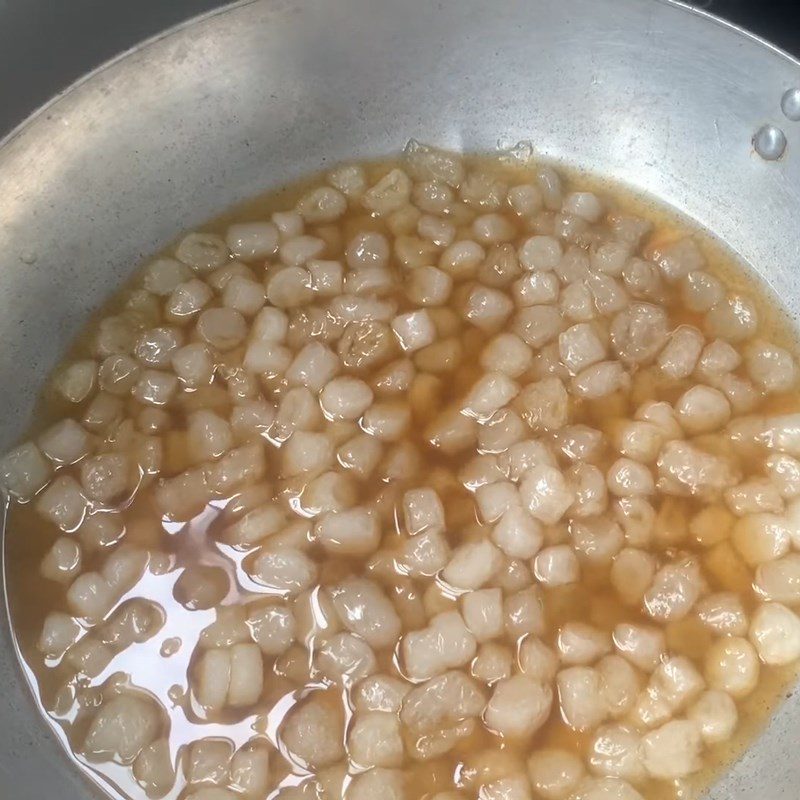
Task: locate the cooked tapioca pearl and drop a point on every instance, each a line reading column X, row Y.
column 579, row 443
column 679, row 357
column 349, row 179
column 509, row 787
column 753, row 496
column 555, row 774
column 576, row 303
column 372, row 281
column 524, row 612
column 762, row 537
column 616, row 751
column 540, row 253
column 155, row 387
column 771, row 368
column 537, row 660
column 741, row 394
column 673, row 750
column 536, row 288
column 163, row 275
column 122, row 727
column 154, row 348
column 295, row 252
column 208, row 761
column 600, row 380
column 63, row 503
column 219, row 278
column 380, row 693
column 90, row 596
column 702, row 409
column 582, row 703
column 597, row 539
column 366, row 611
column 780, row 580
column 642, row 280
column 387, row 420
column 422, row 510
column 105, row 477
column 674, row 591
column 775, row 632
column 641, row 441
column 580, row 347
column 735, row 318
column 629, row 478
column 424, row 555
column 679, row 259
column 538, row 325
column 731, row 665
column 607, row 292
column 345, row 398
column 313, row 366
column 639, row 332
column 287, row 571
column 251, row 420
column 76, row 381
column 428, row 286
column 193, row 365
column 517, row 533
column 62, row 561
column 390, row 193
column 437, row 230
column 701, row 291
column 473, row 564
column 312, row 732
column 685, row 470
column 493, row 663
column 501, row 266
column 674, row 684
column 24, row 471
column 632, row 573
column 243, row 295
column 487, row 308
column 643, row 646
column 360, row 454
column 546, row 494
column 202, row 251
column 544, row 404
column 718, row 358
column 525, row 199
column 327, row 277
column 445, row 644
column 396, row 377
column 483, row 613
column 462, row 259
column 610, row 257
column 222, row 328
column 59, row 633
column 209, row 435
column 288, row 223
column 574, row 266
column 272, row 628
column 187, row 299
column 267, row 358
column 723, row 613
column 711, row 525
column 252, row 241
column 605, row 789
column 306, row 453
column 374, row 739
column 637, row 517
column 585, row 205
column 65, row 442
column 491, row 228
column 519, row 707
column 290, row 287
column 321, row 205
column 716, row 714
column 354, row 531
column 579, row 643
column 783, row 473
column 490, row 393
column 522, row 456
column 212, row 793
column 250, row 768
column 345, row 658
column 414, row 330
column 557, row 566
column 118, row 374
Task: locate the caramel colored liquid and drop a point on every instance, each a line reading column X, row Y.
column 162, row 663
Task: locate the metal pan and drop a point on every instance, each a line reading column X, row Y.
column 661, row 97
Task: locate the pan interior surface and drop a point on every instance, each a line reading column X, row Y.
column 651, row 95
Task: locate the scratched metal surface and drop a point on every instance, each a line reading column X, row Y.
column 648, row 92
